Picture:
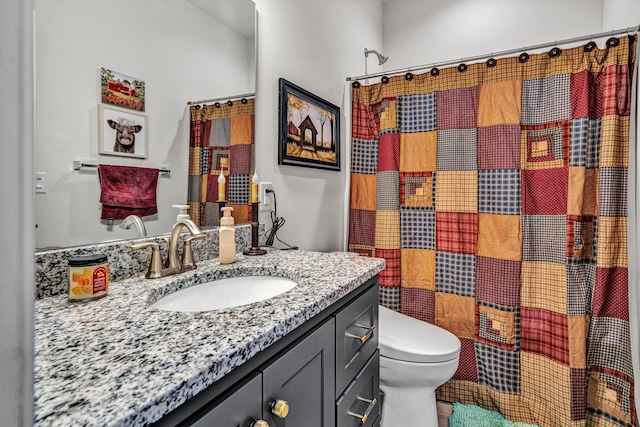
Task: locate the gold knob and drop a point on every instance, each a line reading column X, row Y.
column 280, row 408
column 259, row 423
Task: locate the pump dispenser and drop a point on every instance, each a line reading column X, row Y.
column 227, row 237
column 182, row 214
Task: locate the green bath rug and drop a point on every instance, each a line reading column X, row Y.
column 474, row 416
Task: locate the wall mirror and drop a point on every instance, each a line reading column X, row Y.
column 183, row 50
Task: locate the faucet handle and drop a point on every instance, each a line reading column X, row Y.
column 155, row 266
column 187, row 253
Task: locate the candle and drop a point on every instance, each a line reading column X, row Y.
column 221, row 182
column 254, row 188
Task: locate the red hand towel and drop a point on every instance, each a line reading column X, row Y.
column 127, row 190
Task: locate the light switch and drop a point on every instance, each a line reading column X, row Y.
column 41, row 182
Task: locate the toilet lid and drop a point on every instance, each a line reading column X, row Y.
column 412, row 340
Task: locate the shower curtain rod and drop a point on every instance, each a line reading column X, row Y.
column 496, row 54
column 224, row 98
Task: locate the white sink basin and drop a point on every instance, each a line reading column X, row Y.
column 225, row 293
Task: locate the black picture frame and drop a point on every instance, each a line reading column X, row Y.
column 301, row 144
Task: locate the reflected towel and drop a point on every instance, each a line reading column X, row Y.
column 127, row 190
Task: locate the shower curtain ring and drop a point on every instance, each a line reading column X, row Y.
column 589, row 47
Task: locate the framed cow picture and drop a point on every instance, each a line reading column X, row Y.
column 122, row 132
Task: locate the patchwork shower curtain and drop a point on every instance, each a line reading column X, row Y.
column 498, row 197
column 221, row 136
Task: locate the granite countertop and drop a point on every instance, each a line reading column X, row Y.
column 116, row 361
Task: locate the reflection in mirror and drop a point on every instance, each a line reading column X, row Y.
column 183, row 50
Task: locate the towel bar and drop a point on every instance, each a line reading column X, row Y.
column 78, row 165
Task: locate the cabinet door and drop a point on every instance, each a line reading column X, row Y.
column 304, row 377
column 238, row 408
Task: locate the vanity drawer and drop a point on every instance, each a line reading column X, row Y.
column 356, row 337
column 359, row 406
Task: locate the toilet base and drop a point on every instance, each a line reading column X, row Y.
column 400, row 403
column 410, row 391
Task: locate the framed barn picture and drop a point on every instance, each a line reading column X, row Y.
column 122, row 132
column 309, row 129
column 121, row 90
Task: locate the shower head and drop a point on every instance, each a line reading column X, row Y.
column 381, row 58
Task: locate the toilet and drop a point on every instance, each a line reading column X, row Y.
column 415, row 358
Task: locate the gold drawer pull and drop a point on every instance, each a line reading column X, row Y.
column 280, row 408
column 363, row 418
column 365, row 337
column 372, row 327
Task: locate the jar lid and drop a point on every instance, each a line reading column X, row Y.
column 88, row 259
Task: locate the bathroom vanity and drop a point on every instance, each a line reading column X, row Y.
column 312, row 350
column 327, row 369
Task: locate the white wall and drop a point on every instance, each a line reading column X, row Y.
column 16, row 213
column 315, row 45
column 423, row 32
column 180, row 52
column 618, row 14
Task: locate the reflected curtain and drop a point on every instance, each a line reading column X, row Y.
column 498, row 197
column 221, row 135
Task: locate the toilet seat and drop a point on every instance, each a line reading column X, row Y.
column 405, row 338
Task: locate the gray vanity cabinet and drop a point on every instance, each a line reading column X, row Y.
column 304, row 377
column 324, row 373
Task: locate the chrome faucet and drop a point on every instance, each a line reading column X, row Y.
column 134, row 220
column 174, row 264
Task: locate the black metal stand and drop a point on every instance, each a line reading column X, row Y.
column 254, row 249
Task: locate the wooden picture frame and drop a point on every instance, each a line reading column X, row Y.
column 122, row 132
column 309, row 129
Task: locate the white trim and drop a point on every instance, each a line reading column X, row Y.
column 17, row 209
column 347, row 163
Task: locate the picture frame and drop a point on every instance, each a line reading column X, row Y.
column 121, row 90
column 122, row 132
column 309, row 129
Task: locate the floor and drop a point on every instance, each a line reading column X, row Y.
column 444, row 411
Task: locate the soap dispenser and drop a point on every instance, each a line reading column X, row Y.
column 182, row 212
column 227, row 237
